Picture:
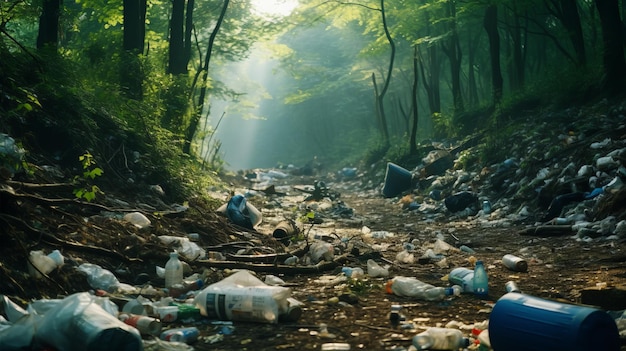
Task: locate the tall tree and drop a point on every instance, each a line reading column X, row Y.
column 567, row 12
column 48, row 34
column 380, row 98
column 613, row 42
column 452, row 48
column 181, row 28
column 197, row 115
column 491, row 27
column 413, row 137
column 133, row 45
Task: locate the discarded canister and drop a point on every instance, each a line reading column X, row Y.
column 397, row 180
column 520, row 322
column 146, row 325
column 515, row 263
column 294, row 310
column 511, row 286
column 395, row 316
column 186, row 335
column 284, row 230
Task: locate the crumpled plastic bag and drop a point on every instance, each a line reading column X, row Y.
column 186, row 247
column 76, row 323
column 241, row 212
column 99, row 278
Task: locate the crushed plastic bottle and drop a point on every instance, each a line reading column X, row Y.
column 375, row 270
column 463, row 277
column 413, row 287
column 440, row 339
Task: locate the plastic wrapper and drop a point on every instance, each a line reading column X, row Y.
column 185, row 247
column 99, row 278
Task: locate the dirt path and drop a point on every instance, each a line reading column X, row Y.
column 559, row 268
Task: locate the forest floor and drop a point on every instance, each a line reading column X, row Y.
column 39, row 212
column 560, row 267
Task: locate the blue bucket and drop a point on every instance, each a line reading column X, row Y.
column 397, row 180
column 520, row 322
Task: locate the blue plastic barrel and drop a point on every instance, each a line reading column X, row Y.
column 521, row 322
column 397, row 180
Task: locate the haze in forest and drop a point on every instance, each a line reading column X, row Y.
column 234, row 86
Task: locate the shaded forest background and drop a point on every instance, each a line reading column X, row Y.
column 135, row 81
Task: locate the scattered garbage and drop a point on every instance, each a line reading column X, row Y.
column 40, row 263
column 11, row 155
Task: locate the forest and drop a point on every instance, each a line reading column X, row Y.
column 347, row 82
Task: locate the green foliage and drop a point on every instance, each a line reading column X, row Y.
column 90, row 172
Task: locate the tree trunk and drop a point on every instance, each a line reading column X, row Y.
column 195, row 118
column 413, row 140
column 613, row 51
column 381, row 98
column 453, row 51
column 472, row 87
column 188, row 32
column 491, row 27
column 567, row 12
column 133, row 44
column 48, row 34
column 177, row 63
column 430, row 80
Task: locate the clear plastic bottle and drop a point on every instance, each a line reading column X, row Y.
column 440, row 339
column 481, row 280
column 173, row 271
column 413, row 287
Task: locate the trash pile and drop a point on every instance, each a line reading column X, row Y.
column 291, row 256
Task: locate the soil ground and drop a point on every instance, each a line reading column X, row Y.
column 560, row 267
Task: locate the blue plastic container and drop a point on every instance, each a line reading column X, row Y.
column 520, row 322
column 397, row 180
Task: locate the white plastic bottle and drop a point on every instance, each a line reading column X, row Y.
column 440, row 339
column 173, row 271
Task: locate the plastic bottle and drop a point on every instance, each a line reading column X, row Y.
column 146, row 325
column 481, row 280
column 173, row 271
column 376, row 270
column 351, row 272
column 186, row 335
column 412, row 287
column 515, row 263
column 440, row 339
column 462, row 277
